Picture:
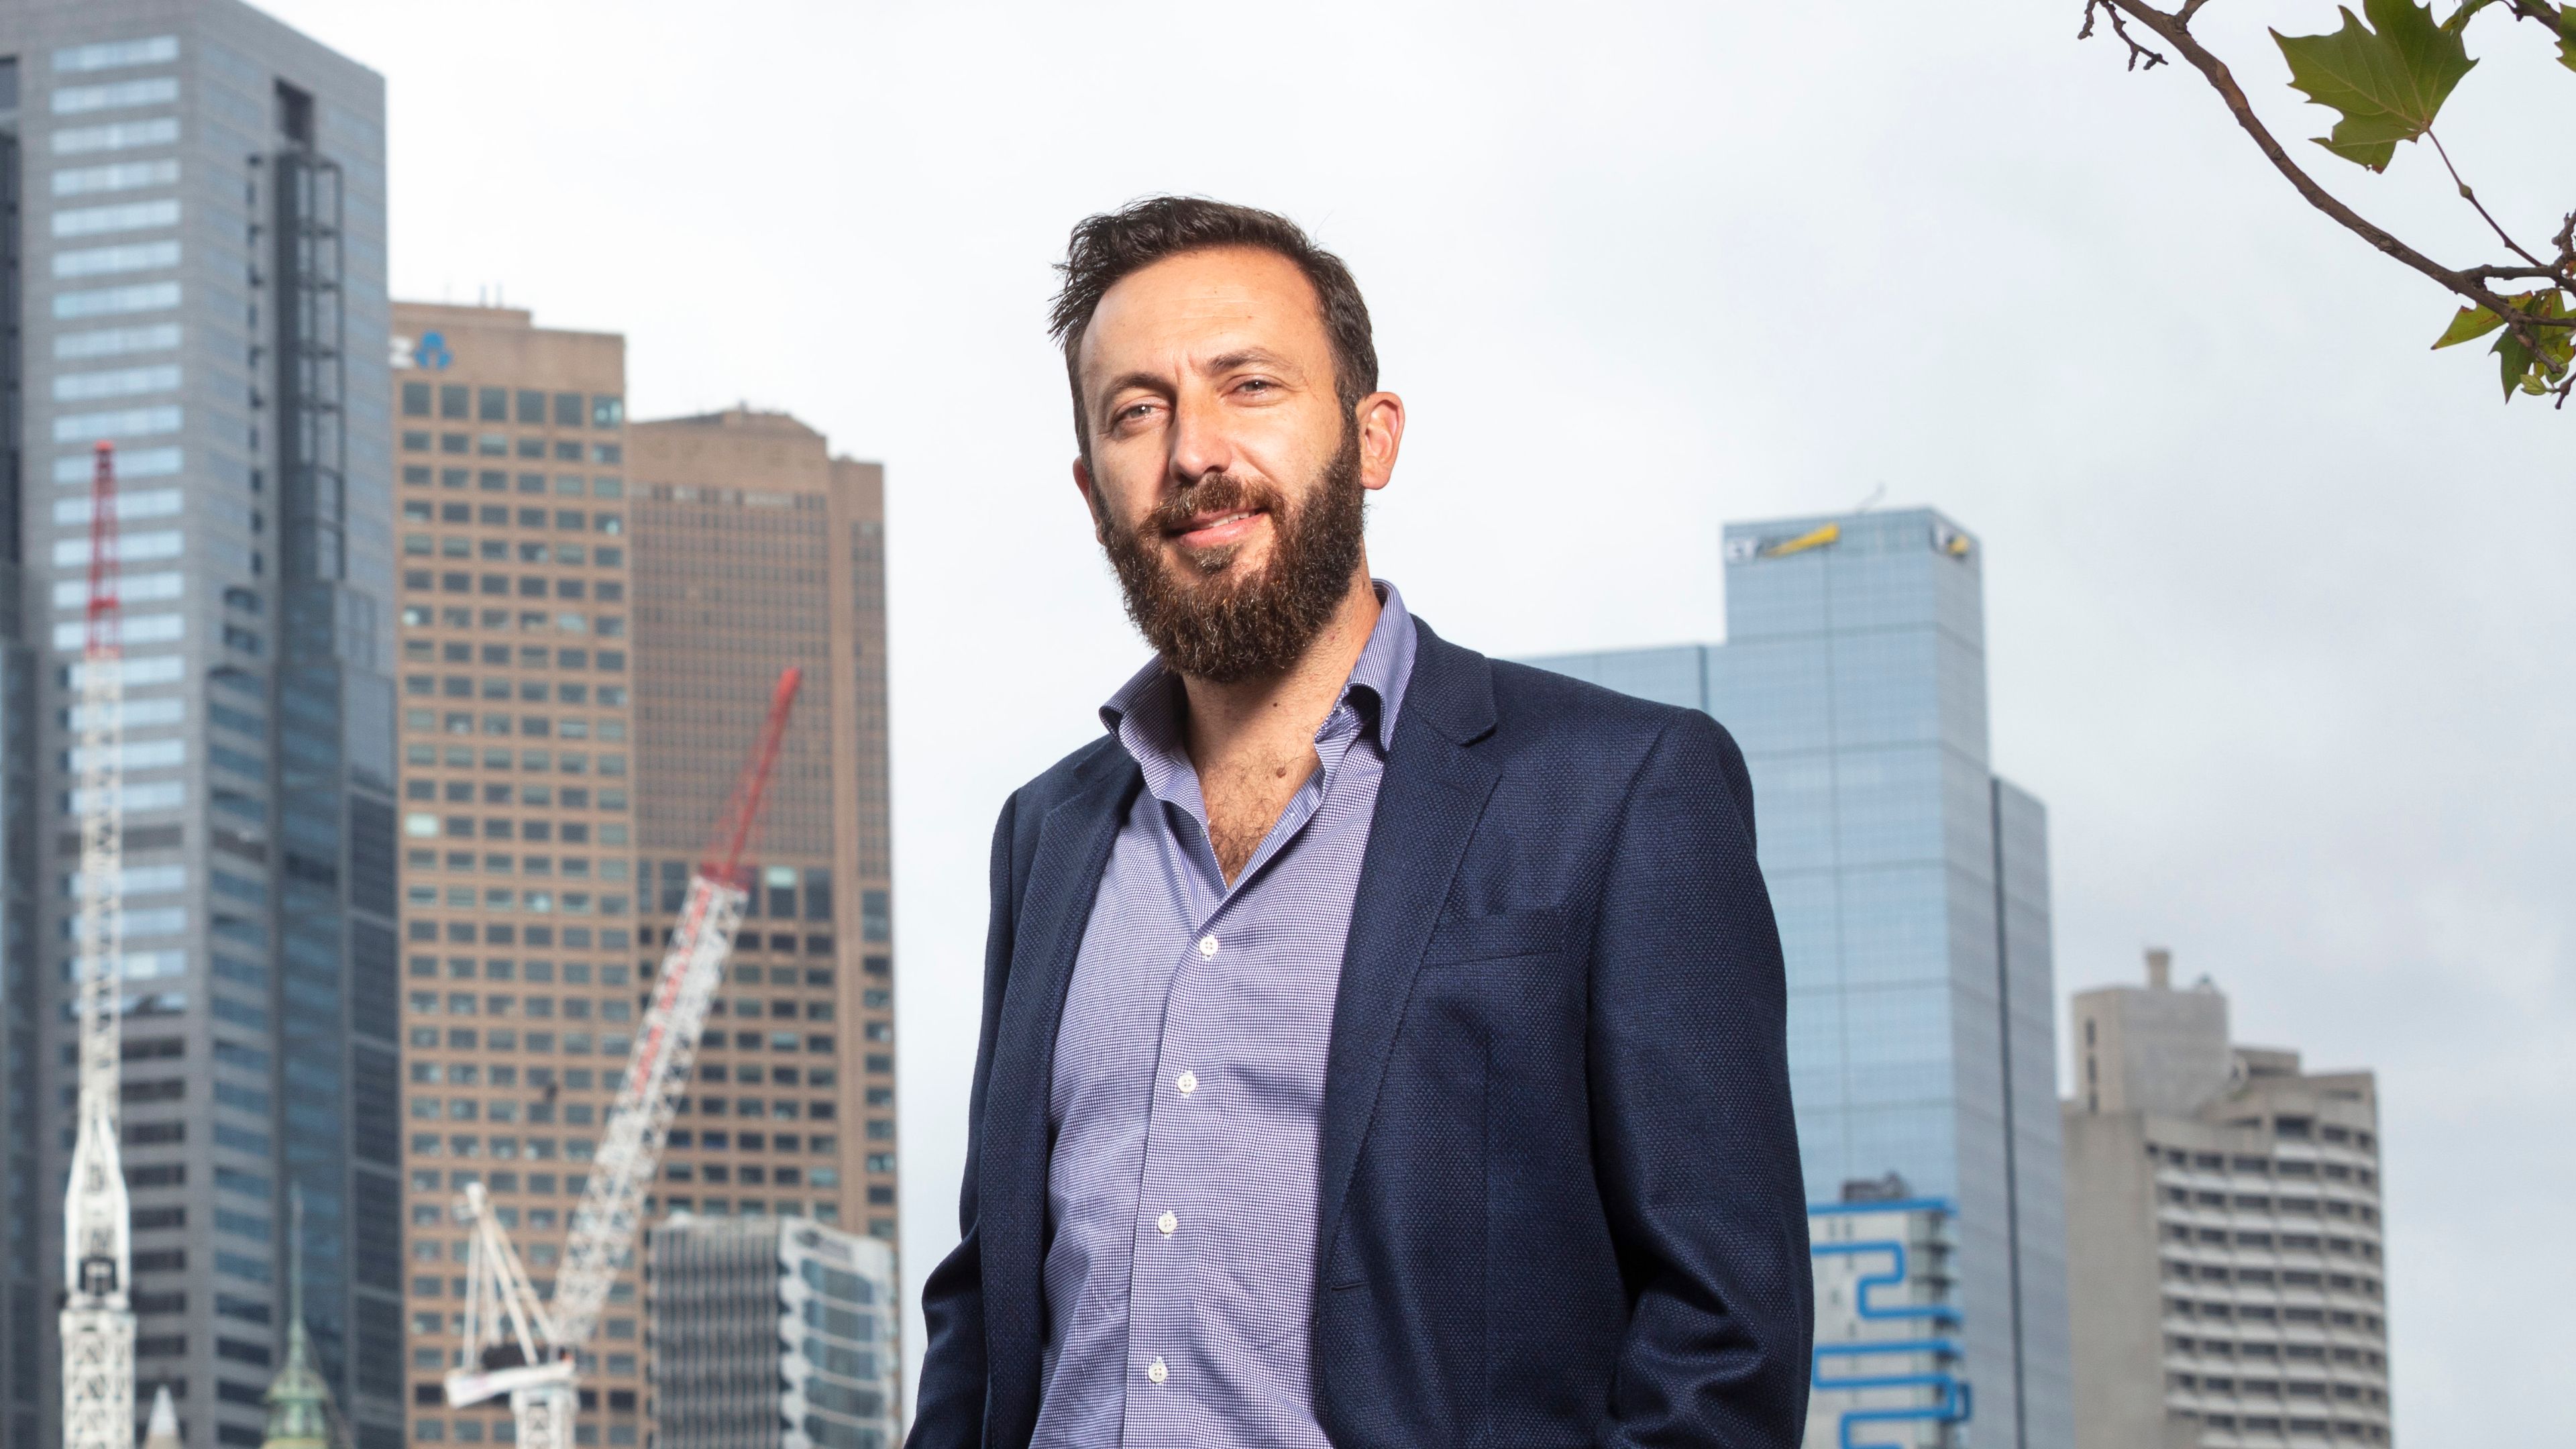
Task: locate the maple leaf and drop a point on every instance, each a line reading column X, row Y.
column 2386, row 83
column 2523, row 369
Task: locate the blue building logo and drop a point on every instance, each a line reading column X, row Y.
column 1886, row 1372
column 431, row 351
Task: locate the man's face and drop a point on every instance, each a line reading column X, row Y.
column 1223, row 473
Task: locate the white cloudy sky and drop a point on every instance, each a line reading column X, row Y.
column 2280, row 603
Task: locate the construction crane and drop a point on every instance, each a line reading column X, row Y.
column 516, row 1343
column 98, row 1241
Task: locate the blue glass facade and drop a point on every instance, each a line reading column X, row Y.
column 194, row 207
column 1912, row 894
column 20, row 1296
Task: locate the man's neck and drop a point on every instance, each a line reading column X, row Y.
column 1277, row 715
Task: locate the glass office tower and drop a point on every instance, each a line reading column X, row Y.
column 1911, row 886
column 195, row 213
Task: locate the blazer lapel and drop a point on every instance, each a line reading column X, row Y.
column 1064, row 877
column 1429, row 800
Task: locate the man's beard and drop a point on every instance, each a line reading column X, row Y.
column 1225, row 629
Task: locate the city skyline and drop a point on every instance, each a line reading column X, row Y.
column 2284, row 714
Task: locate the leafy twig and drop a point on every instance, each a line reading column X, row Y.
column 2526, row 329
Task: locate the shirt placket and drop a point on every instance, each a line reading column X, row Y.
column 1179, row 1123
column 1183, row 1122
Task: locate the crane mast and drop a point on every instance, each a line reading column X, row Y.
column 515, row 1343
column 98, row 1255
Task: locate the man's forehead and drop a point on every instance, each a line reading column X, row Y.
column 1204, row 296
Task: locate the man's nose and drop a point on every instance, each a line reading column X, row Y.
column 1200, row 442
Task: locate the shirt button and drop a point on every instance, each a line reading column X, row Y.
column 1188, row 1083
column 1156, row 1371
column 1169, row 1223
column 1207, row 947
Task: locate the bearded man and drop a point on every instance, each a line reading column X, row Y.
column 1382, row 1045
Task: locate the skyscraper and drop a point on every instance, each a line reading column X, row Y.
column 593, row 618
column 194, row 239
column 520, row 985
column 755, row 549
column 1911, row 888
column 2223, row 1212
column 769, row 1333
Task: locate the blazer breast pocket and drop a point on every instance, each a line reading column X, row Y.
column 1503, row 936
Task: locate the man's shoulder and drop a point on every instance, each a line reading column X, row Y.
column 1600, row 743
column 1070, row 776
column 1543, row 710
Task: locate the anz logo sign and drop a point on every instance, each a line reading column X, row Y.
column 429, row 350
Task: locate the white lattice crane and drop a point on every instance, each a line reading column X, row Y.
column 98, row 1245
column 515, row 1342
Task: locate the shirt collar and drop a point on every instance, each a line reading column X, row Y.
column 1149, row 700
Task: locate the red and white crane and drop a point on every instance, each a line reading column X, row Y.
column 98, row 1246
column 517, row 1343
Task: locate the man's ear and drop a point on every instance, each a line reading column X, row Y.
column 1090, row 499
column 1380, row 420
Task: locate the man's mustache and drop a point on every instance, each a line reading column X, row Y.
column 1212, row 493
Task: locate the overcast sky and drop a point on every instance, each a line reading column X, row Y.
column 2280, row 603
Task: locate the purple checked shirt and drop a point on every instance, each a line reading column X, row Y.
column 1188, row 1095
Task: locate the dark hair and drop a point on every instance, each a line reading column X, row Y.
column 1114, row 245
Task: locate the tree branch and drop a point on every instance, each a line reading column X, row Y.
column 2470, row 196
column 2120, row 28
column 2174, row 29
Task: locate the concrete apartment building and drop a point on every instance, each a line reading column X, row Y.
column 193, row 239
column 2223, row 1219
column 521, row 971
column 1911, row 886
column 771, row 1333
column 756, row 549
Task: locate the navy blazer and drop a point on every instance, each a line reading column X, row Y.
column 1560, row 1194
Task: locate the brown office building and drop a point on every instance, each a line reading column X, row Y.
column 520, row 958
column 593, row 619
column 755, row 549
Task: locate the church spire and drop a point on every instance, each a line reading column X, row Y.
column 163, row 1431
column 298, row 1399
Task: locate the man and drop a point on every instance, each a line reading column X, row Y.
column 1382, row 1046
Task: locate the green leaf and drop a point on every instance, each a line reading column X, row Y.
column 2514, row 360
column 2567, row 36
column 2523, row 369
column 2387, row 84
column 2471, row 323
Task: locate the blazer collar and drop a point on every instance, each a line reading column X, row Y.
column 1433, row 793
column 1452, row 687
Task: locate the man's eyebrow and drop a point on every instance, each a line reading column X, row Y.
column 1242, row 357
column 1149, row 381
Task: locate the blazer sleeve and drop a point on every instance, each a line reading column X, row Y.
column 948, row 1408
column 1695, row 1145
